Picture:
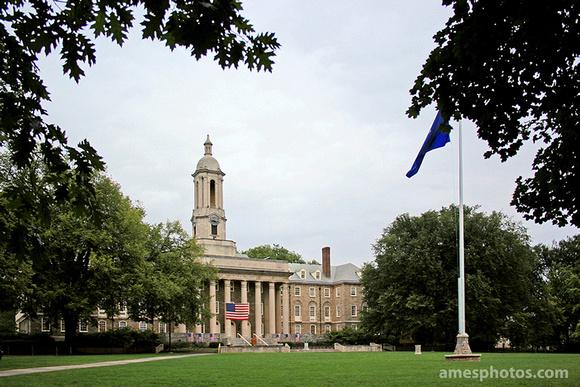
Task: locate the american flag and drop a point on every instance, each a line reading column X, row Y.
column 237, row 311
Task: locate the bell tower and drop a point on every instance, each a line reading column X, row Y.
column 208, row 218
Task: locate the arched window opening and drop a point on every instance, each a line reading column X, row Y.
column 212, row 193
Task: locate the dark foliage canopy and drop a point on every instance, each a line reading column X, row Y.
column 275, row 252
column 411, row 287
column 512, row 67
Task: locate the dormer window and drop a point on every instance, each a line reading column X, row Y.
column 302, row 274
column 317, row 274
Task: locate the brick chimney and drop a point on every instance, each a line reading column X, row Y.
column 326, row 261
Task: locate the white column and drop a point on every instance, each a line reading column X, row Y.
column 258, row 308
column 245, row 327
column 285, row 309
column 272, row 308
column 202, row 190
column 227, row 298
column 213, row 327
column 218, row 193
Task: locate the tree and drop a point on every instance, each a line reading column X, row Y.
column 562, row 262
column 535, row 326
column 70, row 279
column 512, row 68
column 32, row 28
column 170, row 282
column 275, row 252
column 61, row 272
column 411, row 287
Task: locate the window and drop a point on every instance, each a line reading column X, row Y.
column 162, row 327
column 212, row 193
column 312, row 292
column 142, row 326
column 122, row 324
column 297, row 311
column 262, row 309
column 62, row 326
column 313, row 329
column 312, row 311
column 302, row 274
column 102, row 327
column 298, row 328
column 327, row 292
column 83, row 326
column 353, row 291
column 217, row 307
column 354, row 327
column 317, row 274
column 338, row 292
column 327, row 311
column 353, row 310
column 327, row 328
column 297, row 291
column 123, row 309
column 214, row 229
column 338, row 311
column 45, row 324
column 102, row 311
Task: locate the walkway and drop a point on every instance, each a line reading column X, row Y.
column 26, row 371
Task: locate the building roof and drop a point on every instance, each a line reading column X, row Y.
column 208, row 162
column 347, row 273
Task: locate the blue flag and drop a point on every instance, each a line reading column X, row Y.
column 435, row 139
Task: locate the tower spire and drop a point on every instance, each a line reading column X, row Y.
column 208, row 145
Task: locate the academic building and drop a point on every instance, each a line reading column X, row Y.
column 285, row 300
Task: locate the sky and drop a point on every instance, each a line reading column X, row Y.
column 315, row 153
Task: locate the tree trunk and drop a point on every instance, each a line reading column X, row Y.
column 170, row 330
column 71, row 323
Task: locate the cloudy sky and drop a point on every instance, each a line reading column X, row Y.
column 314, row 153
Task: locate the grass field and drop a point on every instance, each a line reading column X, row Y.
column 310, row 369
column 14, row 362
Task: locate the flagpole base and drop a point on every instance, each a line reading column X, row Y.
column 462, row 350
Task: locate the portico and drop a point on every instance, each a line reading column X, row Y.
column 266, row 292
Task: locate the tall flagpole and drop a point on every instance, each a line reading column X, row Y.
column 461, row 279
column 462, row 349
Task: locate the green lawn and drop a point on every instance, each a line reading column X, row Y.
column 309, row 369
column 12, row 362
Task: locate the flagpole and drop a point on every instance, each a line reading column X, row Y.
column 461, row 279
column 462, row 349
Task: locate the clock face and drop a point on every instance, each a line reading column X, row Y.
column 214, row 219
